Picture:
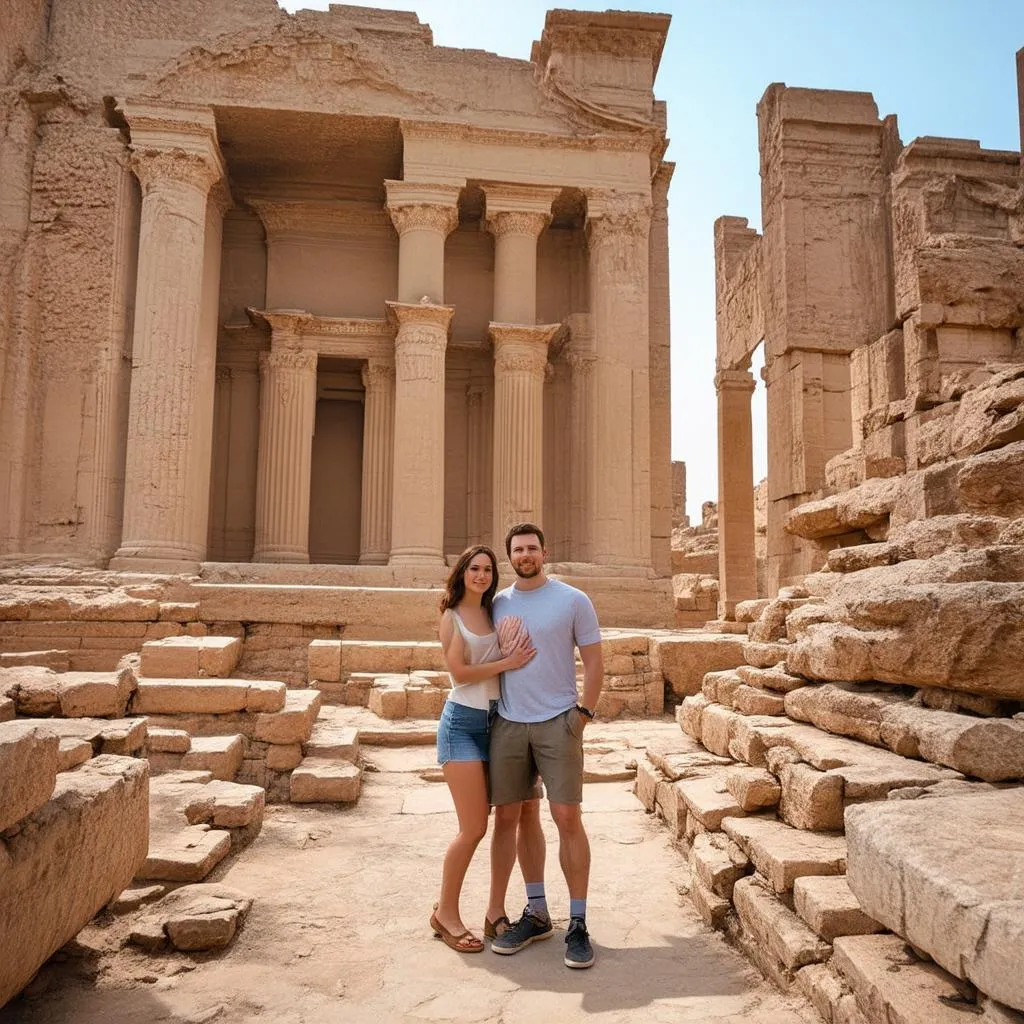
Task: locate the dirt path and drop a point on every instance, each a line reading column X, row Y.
column 338, row 932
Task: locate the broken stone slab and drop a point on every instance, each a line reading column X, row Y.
column 964, row 636
column 8, row 709
column 718, row 862
column 79, row 604
column 774, row 678
column 753, row 700
column 775, row 927
column 58, row 660
column 993, row 483
column 294, row 723
column 863, row 556
column 750, row 611
column 717, row 724
column 323, row 661
column 782, row 854
column 193, row 918
column 135, row 897
column 810, row 799
column 124, row 736
column 206, row 696
column 661, row 750
column 936, row 872
column 283, row 757
column 989, row 416
column 689, row 714
column 708, row 800
column 72, row 753
column 770, row 628
column 29, row 761
column 892, row 984
column 764, row 655
column 926, row 538
column 830, row 909
column 186, row 855
column 168, row 741
column 719, row 687
column 221, row 756
column 754, row 789
column 322, row 780
column 685, row 659
column 190, row 657
column 845, row 709
column 991, row 749
column 648, row 777
column 860, row 507
column 713, row 909
column 68, row 860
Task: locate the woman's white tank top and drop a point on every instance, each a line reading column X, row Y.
column 478, row 650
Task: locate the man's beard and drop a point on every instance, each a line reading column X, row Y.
column 526, row 574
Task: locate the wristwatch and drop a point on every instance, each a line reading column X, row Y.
column 586, row 712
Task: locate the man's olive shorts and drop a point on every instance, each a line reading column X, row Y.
column 519, row 750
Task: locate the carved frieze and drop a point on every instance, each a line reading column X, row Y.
column 613, row 214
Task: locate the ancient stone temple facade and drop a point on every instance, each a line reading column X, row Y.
column 310, row 289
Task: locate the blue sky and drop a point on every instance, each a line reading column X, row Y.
column 944, row 67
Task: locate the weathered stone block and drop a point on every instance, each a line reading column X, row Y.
column 776, row 928
column 718, row 863
column 29, row 755
column 709, row 801
column 829, row 907
column 318, row 780
column 324, row 660
column 294, row 723
column 684, row 660
column 68, row 860
column 754, row 789
column 811, row 799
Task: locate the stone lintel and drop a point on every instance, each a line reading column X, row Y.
column 306, row 327
column 312, row 219
column 532, row 201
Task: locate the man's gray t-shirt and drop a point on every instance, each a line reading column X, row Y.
column 559, row 619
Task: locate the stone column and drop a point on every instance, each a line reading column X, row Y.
column 287, row 418
column 520, row 357
column 424, row 216
column 417, row 507
column 581, row 490
column 479, row 428
column 737, row 562
column 620, row 461
column 378, row 453
column 166, row 497
column 516, row 215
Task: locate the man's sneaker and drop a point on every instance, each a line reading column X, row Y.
column 578, row 950
column 527, row 929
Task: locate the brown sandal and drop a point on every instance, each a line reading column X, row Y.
column 456, row 942
column 491, row 927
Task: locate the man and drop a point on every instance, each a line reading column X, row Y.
column 539, row 729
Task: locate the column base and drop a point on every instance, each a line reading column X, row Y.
column 142, row 563
column 291, row 557
column 415, row 559
column 374, row 558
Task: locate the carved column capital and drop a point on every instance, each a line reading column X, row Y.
column 581, row 363
column 378, row 375
column 302, row 360
column 422, row 323
column 734, row 380
column 517, row 222
column 157, row 168
column 522, row 349
column 612, row 215
column 433, row 207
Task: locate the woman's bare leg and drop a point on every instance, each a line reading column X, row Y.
column 468, row 787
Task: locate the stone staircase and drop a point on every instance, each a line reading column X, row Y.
column 779, row 790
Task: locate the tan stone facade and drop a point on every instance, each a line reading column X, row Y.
column 274, row 293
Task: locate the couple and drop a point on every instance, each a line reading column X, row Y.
column 497, row 735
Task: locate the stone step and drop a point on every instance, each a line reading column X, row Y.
column 325, row 780
column 219, row 755
column 190, row 657
column 331, row 740
column 783, row 854
column 125, row 736
column 38, row 691
column 335, row 660
column 718, row 862
column 685, row 658
column 829, row 907
column 293, row 723
column 207, row 696
column 29, row 756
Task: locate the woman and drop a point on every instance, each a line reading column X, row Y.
column 474, row 661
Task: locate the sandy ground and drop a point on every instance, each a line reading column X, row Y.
column 338, row 932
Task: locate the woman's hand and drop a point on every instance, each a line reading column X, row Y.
column 512, row 633
column 520, row 656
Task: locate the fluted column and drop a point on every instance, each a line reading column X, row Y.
column 515, row 216
column 166, row 497
column 424, row 216
column 378, row 453
column 620, row 516
column 417, row 507
column 479, row 430
column 737, row 561
column 520, row 356
column 287, row 418
column 581, row 484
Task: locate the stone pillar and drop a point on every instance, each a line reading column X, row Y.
column 581, row 483
column 516, row 215
column 737, row 562
column 166, row 494
column 480, row 430
column 424, row 216
column 378, row 452
column 287, row 418
column 520, row 356
column 660, row 376
column 417, row 507
column 620, row 460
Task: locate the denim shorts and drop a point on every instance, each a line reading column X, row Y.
column 462, row 733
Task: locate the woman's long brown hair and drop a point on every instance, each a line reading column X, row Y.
column 455, row 588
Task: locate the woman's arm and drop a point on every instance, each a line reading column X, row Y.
column 454, row 649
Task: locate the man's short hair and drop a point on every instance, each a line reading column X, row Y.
column 520, row 530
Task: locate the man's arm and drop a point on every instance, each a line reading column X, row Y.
column 593, row 674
